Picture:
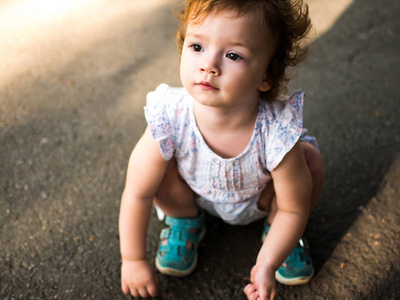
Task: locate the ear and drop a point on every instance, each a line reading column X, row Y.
column 265, row 86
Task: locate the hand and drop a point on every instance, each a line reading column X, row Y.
column 138, row 278
column 263, row 285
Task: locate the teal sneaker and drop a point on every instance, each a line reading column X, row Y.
column 177, row 253
column 298, row 267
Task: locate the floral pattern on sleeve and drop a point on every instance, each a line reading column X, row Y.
column 285, row 129
column 159, row 121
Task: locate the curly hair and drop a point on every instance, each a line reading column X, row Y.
column 287, row 20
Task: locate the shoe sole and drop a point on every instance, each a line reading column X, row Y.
column 179, row 273
column 293, row 281
column 174, row 272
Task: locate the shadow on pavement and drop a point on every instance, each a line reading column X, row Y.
column 351, row 84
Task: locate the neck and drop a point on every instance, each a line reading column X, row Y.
column 232, row 119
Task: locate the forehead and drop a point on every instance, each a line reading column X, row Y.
column 199, row 14
column 242, row 28
column 228, row 21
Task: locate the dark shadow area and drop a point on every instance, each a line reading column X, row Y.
column 352, row 84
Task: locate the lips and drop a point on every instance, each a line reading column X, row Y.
column 205, row 85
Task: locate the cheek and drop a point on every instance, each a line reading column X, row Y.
column 186, row 63
column 185, row 72
column 182, row 76
column 183, row 63
column 257, row 78
column 243, row 83
column 241, row 79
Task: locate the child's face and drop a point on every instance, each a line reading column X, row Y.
column 225, row 58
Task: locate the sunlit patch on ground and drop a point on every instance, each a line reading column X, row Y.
column 324, row 13
column 32, row 31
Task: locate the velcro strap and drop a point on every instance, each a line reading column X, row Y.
column 165, row 248
column 164, row 233
column 186, row 222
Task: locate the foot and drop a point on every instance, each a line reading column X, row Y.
column 177, row 254
column 298, row 267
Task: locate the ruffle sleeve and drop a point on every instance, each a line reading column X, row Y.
column 159, row 120
column 284, row 130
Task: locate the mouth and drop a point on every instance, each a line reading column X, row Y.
column 205, row 85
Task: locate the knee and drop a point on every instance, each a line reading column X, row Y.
column 172, row 189
column 317, row 170
column 160, row 198
column 165, row 194
column 166, row 191
column 314, row 163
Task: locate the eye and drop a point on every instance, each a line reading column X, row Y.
column 196, row 47
column 234, row 56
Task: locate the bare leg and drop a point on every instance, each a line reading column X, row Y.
column 317, row 171
column 174, row 197
column 176, row 200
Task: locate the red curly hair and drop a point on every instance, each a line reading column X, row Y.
column 287, row 20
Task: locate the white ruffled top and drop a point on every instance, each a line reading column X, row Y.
column 170, row 117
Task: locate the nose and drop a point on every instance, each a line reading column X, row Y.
column 210, row 65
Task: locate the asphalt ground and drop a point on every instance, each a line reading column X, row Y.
column 73, row 81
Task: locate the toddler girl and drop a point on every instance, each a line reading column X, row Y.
column 227, row 143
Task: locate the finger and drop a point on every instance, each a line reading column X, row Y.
column 254, row 296
column 250, row 288
column 272, row 296
column 134, row 292
column 153, row 290
column 125, row 288
column 153, row 287
column 143, row 292
column 266, row 294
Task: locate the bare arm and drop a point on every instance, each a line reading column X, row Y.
column 145, row 172
column 293, row 186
